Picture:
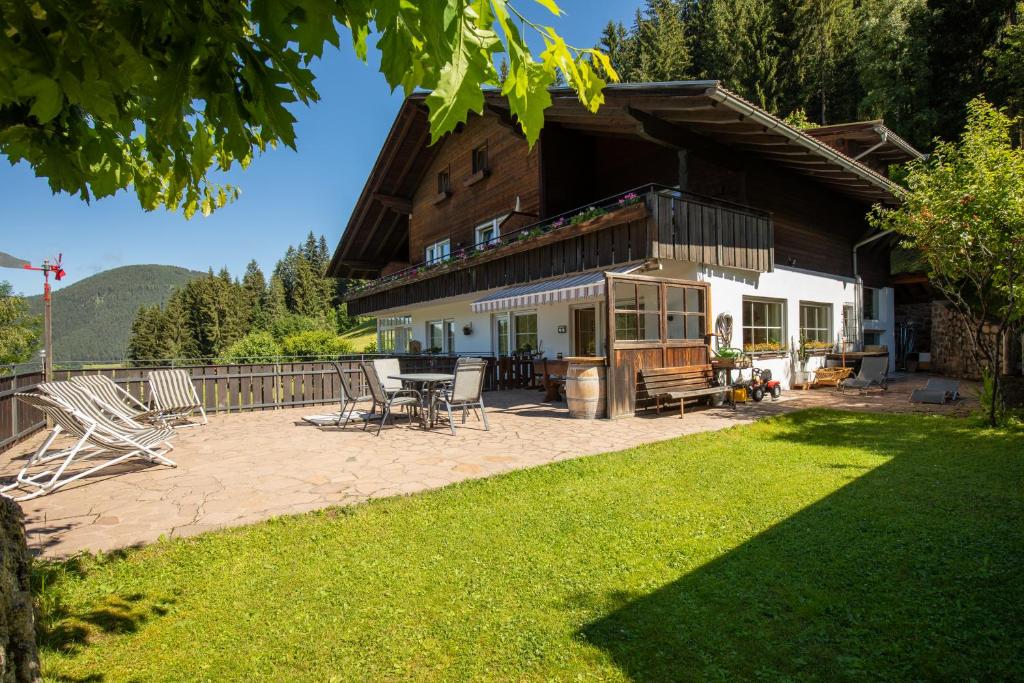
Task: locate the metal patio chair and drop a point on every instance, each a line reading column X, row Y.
column 386, row 367
column 349, row 395
column 466, row 392
column 409, row 398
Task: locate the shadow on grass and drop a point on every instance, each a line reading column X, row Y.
column 912, row 570
column 61, row 628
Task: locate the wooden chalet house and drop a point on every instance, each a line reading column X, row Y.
column 625, row 233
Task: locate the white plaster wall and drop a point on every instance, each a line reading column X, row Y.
column 792, row 286
column 728, row 287
column 549, row 318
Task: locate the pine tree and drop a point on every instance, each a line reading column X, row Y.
column 742, row 46
column 617, row 43
column 826, row 34
column 662, row 46
column 285, row 271
column 254, row 285
column 145, row 341
column 275, row 305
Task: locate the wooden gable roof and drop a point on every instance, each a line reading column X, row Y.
column 698, row 115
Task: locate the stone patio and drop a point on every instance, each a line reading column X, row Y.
column 247, row 467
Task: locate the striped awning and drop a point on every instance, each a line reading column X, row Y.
column 568, row 288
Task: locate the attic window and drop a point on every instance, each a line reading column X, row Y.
column 480, row 160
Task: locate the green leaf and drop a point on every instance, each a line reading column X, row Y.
column 45, row 93
column 458, row 89
column 551, row 6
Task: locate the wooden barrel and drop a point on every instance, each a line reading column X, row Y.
column 585, row 388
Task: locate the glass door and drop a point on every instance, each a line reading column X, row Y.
column 501, row 334
column 584, row 331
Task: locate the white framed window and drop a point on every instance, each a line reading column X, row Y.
column 524, row 332
column 487, row 233
column 394, row 334
column 438, row 251
column 763, row 325
column 441, row 336
column 816, row 322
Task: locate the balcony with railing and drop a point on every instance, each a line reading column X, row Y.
column 642, row 223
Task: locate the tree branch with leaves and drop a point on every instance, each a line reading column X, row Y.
column 964, row 212
column 101, row 97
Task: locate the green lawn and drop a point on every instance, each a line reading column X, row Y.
column 362, row 335
column 820, row 545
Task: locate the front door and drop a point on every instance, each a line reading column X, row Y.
column 584, row 334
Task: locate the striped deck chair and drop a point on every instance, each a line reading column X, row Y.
column 116, row 399
column 93, row 438
column 175, row 397
column 86, row 402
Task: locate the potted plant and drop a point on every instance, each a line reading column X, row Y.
column 801, row 356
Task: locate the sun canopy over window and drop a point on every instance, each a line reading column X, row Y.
column 569, row 288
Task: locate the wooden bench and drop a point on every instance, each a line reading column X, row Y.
column 679, row 384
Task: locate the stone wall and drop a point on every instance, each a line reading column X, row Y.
column 953, row 347
column 19, row 661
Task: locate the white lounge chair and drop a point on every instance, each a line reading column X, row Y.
column 175, row 397
column 86, row 402
column 94, row 437
column 117, row 399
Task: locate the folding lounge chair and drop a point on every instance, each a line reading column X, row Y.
column 116, row 399
column 93, row 438
column 410, row 398
column 872, row 374
column 466, row 392
column 175, row 397
column 937, row 391
column 86, row 402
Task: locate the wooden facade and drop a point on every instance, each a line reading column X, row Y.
column 513, row 172
column 666, row 225
column 712, row 233
column 627, row 357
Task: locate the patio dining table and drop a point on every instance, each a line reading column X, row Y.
column 427, row 383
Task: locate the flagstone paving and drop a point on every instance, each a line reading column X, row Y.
column 247, row 467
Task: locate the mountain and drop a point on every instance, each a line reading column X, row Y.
column 92, row 319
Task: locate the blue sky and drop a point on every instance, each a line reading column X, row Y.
column 285, row 194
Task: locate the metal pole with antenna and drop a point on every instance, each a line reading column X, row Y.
column 8, row 261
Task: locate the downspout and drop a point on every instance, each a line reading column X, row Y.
column 858, row 292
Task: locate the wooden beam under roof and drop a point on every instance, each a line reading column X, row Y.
column 673, row 136
column 401, row 205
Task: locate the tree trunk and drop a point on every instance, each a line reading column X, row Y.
column 19, row 660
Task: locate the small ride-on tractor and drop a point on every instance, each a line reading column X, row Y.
column 761, row 383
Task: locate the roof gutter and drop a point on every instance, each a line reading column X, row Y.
column 820, row 148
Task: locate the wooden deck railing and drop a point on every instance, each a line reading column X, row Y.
column 17, row 420
column 238, row 388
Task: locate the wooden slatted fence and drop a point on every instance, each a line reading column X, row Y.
column 223, row 388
